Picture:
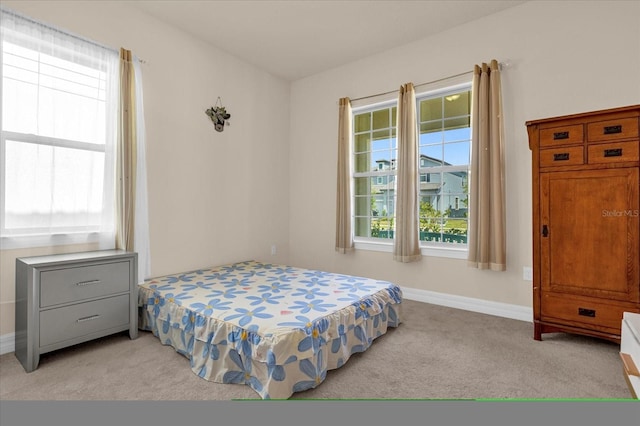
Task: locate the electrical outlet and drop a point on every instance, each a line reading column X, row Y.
column 527, row 273
column 274, row 250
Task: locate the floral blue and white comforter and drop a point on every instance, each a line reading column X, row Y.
column 275, row 328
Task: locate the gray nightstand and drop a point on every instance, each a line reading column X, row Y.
column 66, row 299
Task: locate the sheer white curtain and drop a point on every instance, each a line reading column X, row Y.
column 141, row 242
column 59, row 122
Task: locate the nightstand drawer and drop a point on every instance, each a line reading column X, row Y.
column 83, row 282
column 70, row 322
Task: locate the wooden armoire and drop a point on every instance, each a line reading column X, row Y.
column 586, row 214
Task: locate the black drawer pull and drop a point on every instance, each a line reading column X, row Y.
column 587, row 312
column 610, row 130
column 560, row 135
column 561, row 157
column 617, row 152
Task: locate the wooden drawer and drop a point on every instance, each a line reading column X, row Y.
column 565, row 135
column 83, row 282
column 578, row 312
column 622, row 128
column 612, row 152
column 566, row 156
column 74, row 321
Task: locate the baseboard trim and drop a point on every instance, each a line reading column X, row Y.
column 505, row 310
column 7, row 343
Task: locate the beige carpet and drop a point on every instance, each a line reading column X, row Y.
column 436, row 353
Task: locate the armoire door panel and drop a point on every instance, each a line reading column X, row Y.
column 592, row 221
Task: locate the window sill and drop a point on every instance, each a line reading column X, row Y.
column 449, row 252
column 106, row 239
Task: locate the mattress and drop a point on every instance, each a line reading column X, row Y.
column 275, row 328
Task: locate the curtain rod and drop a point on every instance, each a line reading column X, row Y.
column 501, row 65
column 67, row 33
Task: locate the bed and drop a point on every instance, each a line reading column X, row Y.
column 275, row 328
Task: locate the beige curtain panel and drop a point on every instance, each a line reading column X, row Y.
column 487, row 234
column 406, row 244
column 344, row 235
column 126, row 155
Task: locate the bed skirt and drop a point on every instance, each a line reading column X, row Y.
column 275, row 365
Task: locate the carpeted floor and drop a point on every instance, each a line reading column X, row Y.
column 436, row 353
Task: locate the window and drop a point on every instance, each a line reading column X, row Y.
column 444, row 156
column 445, row 147
column 59, row 103
column 375, row 152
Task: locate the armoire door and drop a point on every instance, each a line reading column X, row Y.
column 589, row 233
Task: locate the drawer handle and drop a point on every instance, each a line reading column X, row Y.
column 587, row 312
column 89, row 318
column 90, row 282
column 561, row 157
column 560, row 135
column 617, row 152
column 610, row 130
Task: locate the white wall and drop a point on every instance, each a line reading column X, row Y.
column 213, row 197
column 566, row 57
column 270, row 178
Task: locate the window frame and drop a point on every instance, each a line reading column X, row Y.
column 435, row 249
column 37, row 236
column 31, row 237
column 389, row 173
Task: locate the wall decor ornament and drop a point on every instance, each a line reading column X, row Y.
column 219, row 115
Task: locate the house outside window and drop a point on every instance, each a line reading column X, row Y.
column 444, row 157
column 445, row 149
column 375, row 152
